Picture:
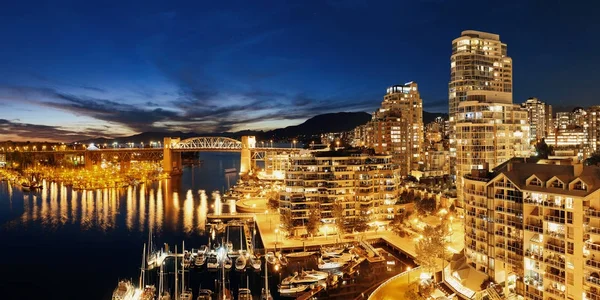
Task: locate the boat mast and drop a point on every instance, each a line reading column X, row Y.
column 183, row 267
column 160, row 282
column 266, row 279
column 176, row 272
column 142, row 282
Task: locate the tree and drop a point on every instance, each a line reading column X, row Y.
column 542, row 149
column 361, row 224
column 314, row 220
column 272, row 200
column 287, row 222
column 337, row 212
column 412, row 293
column 593, row 160
column 397, row 224
column 426, row 205
column 432, row 246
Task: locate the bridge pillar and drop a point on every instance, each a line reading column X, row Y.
column 87, row 159
column 248, row 142
column 171, row 159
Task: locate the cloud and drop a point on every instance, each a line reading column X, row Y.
column 34, row 132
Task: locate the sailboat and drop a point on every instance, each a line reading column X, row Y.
column 225, row 294
column 162, row 295
column 186, row 294
column 245, row 293
column 255, row 263
column 204, row 294
column 149, row 291
column 124, row 291
column 265, row 294
column 240, row 261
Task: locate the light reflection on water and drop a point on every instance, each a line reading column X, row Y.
column 138, row 208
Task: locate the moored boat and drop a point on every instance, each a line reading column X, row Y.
column 292, row 290
column 255, row 263
column 124, row 291
column 271, row 258
column 327, row 264
column 302, row 254
column 212, row 263
column 204, row 294
column 240, row 263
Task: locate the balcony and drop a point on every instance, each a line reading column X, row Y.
column 555, row 292
column 593, row 294
column 555, row 234
column 534, row 255
column 591, row 212
column 593, row 264
column 535, row 227
column 593, row 246
column 555, row 219
column 555, row 278
column 477, row 204
column 555, row 248
column 593, row 280
column 555, row 261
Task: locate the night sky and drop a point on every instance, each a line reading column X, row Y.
column 79, row 69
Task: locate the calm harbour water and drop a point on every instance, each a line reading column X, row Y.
column 63, row 244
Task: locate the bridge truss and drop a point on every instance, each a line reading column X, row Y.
column 220, row 143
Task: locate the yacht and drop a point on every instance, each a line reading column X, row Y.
column 204, row 294
column 200, row 259
column 332, row 252
column 244, row 294
column 255, row 262
column 292, row 290
column 327, row 264
column 305, row 277
column 148, row 293
column 227, row 263
column 212, row 263
column 124, row 291
column 240, row 263
column 187, row 295
column 282, row 259
column 344, row 258
column 302, row 254
column 271, row 258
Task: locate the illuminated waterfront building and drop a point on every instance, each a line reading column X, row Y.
column 539, row 117
column 366, row 186
column 479, row 62
column 535, row 225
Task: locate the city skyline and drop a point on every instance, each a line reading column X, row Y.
column 124, row 70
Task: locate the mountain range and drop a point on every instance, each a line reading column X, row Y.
column 330, row 122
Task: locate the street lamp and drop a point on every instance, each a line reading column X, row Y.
column 276, row 238
column 271, row 143
column 408, row 273
column 294, row 143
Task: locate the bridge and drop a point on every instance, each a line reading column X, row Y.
column 169, row 153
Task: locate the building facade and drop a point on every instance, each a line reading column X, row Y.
column 366, row 186
column 479, row 62
column 593, row 127
column 535, row 225
column 397, row 127
column 488, row 133
column 539, row 118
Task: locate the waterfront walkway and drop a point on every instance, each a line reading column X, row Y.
column 268, row 226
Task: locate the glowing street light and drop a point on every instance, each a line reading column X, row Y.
column 294, row 143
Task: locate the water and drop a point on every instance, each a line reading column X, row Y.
column 65, row 244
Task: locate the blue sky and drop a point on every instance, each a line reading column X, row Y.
column 76, row 69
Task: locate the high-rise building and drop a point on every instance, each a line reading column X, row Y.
column 366, row 186
column 488, row 134
column 397, row 127
column 539, row 115
column 535, row 225
column 593, row 122
column 479, row 62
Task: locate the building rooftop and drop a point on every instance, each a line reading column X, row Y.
column 519, row 170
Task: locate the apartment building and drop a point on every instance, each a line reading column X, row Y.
column 539, row 118
column 397, row 127
column 489, row 131
column 367, row 187
column 535, row 226
column 479, row 62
